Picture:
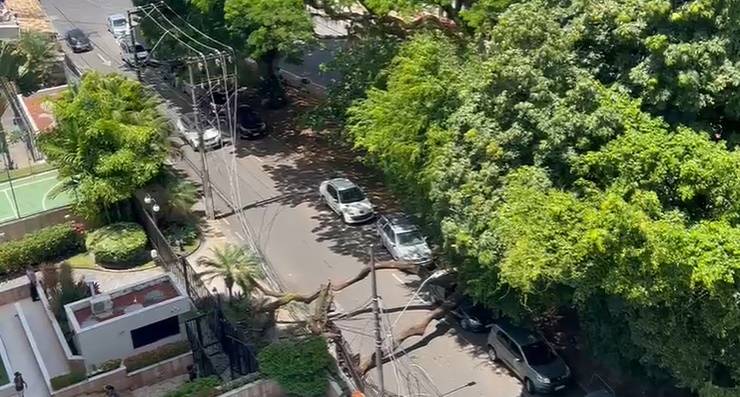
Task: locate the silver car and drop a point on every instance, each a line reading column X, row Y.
column 529, row 357
column 118, row 25
column 347, row 200
column 185, row 126
column 403, row 240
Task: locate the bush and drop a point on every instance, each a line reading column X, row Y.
column 107, row 366
column 300, row 366
column 201, row 387
column 185, row 232
column 45, row 245
column 152, row 357
column 62, row 381
column 118, row 245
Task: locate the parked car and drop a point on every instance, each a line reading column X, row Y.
column 403, row 240
column 78, row 40
column 347, row 200
column 529, row 357
column 249, row 122
column 118, row 25
column 185, row 126
column 131, row 53
column 473, row 317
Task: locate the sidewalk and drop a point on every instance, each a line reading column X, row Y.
column 20, row 353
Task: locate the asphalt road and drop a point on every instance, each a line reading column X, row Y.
column 307, row 245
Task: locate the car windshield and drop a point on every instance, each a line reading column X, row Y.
column 351, row 195
column 119, row 22
column 538, row 353
column 411, row 237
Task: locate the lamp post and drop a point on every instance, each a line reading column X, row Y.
column 152, row 203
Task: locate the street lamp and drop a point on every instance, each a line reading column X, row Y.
column 152, row 202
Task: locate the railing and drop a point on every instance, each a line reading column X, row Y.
column 240, row 353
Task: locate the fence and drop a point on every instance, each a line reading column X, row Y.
column 217, row 344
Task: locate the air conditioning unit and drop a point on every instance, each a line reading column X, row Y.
column 101, row 305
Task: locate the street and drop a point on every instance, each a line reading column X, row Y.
column 307, row 245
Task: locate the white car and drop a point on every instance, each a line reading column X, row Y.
column 185, row 126
column 118, row 25
column 403, row 239
column 347, row 200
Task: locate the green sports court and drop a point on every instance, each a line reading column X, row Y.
column 32, row 194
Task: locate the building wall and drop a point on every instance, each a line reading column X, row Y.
column 94, row 342
column 15, row 293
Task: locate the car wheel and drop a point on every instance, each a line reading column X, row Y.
column 492, row 354
column 529, row 386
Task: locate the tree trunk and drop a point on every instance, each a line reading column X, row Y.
column 272, row 88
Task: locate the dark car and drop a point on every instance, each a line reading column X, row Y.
column 249, row 123
column 78, row 40
column 473, row 317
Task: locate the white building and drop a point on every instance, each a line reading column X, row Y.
column 129, row 320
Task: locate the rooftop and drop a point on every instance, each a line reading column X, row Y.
column 129, row 300
column 30, row 15
column 38, row 109
column 343, row 183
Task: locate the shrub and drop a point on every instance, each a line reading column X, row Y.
column 118, row 245
column 201, row 387
column 45, row 245
column 299, row 366
column 107, row 366
column 186, row 232
column 152, row 357
column 62, row 381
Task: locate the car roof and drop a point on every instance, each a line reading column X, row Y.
column 520, row 335
column 342, row 183
column 401, row 222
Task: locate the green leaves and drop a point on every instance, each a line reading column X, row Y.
column 301, row 367
column 109, row 141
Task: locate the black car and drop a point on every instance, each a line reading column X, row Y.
column 78, row 40
column 249, row 123
column 473, row 317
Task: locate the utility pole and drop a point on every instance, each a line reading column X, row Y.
column 132, row 36
column 210, row 212
column 376, row 314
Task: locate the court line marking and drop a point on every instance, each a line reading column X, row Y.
column 43, row 200
column 15, row 186
column 32, row 176
column 12, row 207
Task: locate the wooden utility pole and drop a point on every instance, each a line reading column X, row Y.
column 376, row 314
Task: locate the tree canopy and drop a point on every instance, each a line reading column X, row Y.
column 577, row 155
column 108, row 141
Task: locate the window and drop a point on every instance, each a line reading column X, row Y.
column 332, row 192
column 119, row 22
column 389, row 233
column 538, row 353
column 410, row 238
column 156, row 331
column 352, row 195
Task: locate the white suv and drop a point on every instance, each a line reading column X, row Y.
column 347, row 200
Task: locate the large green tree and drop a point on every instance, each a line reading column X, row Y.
column 108, row 141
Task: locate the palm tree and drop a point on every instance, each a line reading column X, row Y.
column 234, row 265
column 181, row 195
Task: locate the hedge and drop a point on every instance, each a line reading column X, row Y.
column 118, row 245
column 300, row 366
column 201, row 387
column 45, row 245
column 62, row 381
column 152, row 357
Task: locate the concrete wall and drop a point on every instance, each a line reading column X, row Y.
column 94, row 342
column 6, row 390
column 76, row 362
column 15, row 293
column 270, row 388
column 17, row 229
column 122, row 381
